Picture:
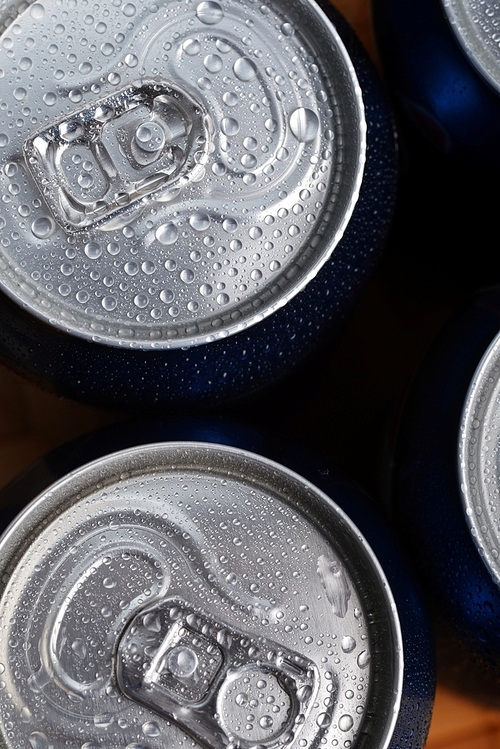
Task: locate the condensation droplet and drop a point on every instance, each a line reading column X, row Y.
column 209, row 13
column 304, row 124
column 230, row 225
column 230, row 126
column 167, row 233
column 230, row 98
column 363, row 659
column 191, row 47
column 323, row 720
column 79, row 648
column 131, row 61
column 43, row 227
column 213, row 63
column 244, row 69
column 151, row 729
column 348, row 644
column 345, row 722
column 199, row 221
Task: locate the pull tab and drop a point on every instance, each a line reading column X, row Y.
column 108, row 159
column 221, row 685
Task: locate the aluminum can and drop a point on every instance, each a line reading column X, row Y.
column 194, row 193
column 441, row 59
column 445, row 484
column 194, row 591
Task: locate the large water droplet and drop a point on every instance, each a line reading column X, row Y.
column 151, row 729
column 244, row 69
column 131, row 61
column 38, row 740
column 43, row 227
column 182, row 661
column 323, row 720
column 167, row 233
column 209, row 13
column 230, row 98
column 230, row 126
column 304, row 124
column 213, row 63
column 230, row 225
column 79, row 648
column 363, row 659
column 345, row 722
column 191, row 47
column 348, row 644
column 199, row 221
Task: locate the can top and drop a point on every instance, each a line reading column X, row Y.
column 194, row 589
column 172, row 172
column 478, row 457
column 477, row 27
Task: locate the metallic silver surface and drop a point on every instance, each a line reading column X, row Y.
column 191, row 590
column 476, row 24
column 172, row 172
column 479, row 457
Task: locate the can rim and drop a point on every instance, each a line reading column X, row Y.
column 475, row 40
column 165, row 456
column 261, row 304
column 478, row 473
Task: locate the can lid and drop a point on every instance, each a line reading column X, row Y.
column 193, row 590
column 476, row 25
column 172, row 172
column 478, row 460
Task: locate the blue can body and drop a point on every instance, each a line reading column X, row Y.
column 247, row 361
column 427, row 504
column 434, row 81
column 418, row 681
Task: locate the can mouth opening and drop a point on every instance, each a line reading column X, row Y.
column 175, row 174
column 475, row 29
column 162, row 557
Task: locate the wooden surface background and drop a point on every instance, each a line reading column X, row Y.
column 32, row 422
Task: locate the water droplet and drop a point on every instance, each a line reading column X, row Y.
column 109, row 303
column 255, row 232
column 204, row 84
column 20, row 93
column 37, row 11
column 93, row 250
column 230, row 98
column 348, row 644
column 241, row 699
column 345, row 722
column 199, row 221
column 304, row 693
column 271, row 125
column 82, row 297
column 266, row 721
column 109, row 582
column 128, row 10
column 85, row 181
column 79, row 648
column 244, row 69
column 205, row 289
column 187, row 275
column 25, row 63
column 131, row 269
column 304, row 124
column 363, row 659
column 131, row 61
column 25, row 715
column 223, row 46
column 230, row 126
column 152, row 620
column 167, row 296
column 167, row 233
column 75, row 95
column 287, row 29
column 38, row 740
column 209, row 13
column 4, row 139
column 223, row 299
column 43, row 227
column 250, row 143
column 218, row 168
column 182, row 661
column 230, row 225
column 248, row 160
column 191, row 47
column 151, row 729
column 213, row 63
column 107, row 49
